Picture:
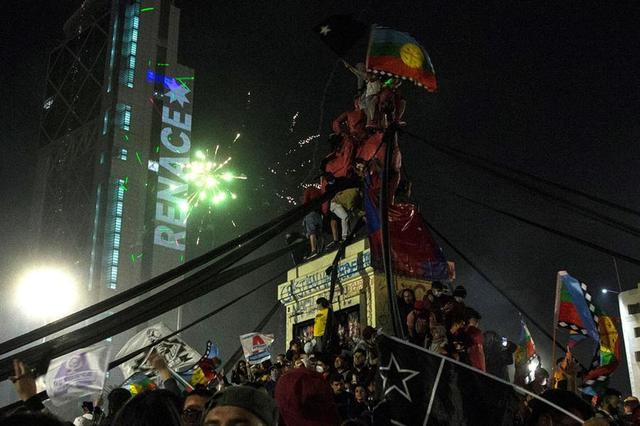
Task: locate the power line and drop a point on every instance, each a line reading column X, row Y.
column 557, row 232
column 478, row 162
column 551, row 183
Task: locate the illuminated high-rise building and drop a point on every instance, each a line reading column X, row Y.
column 629, row 303
column 114, row 136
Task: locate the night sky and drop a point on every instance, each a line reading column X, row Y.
column 552, row 91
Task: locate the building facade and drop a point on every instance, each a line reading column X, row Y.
column 361, row 296
column 115, row 134
column 629, row 302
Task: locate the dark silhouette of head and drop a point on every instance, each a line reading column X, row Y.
column 153, row 408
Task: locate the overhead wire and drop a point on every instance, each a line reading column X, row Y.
column 563, row 202
column 554, row 231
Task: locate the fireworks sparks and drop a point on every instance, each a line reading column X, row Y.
column 293, row 122
column 288, row 198
column 307, row 140
column 236, row 138
column 210, row 181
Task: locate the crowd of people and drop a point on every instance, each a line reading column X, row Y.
column 327, row 384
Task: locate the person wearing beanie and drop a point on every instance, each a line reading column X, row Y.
column 241, row 405
column 305, row 398
column 459, row 293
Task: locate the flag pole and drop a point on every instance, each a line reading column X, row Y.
column 556, row 313
column 366, row 62
column 389, row 139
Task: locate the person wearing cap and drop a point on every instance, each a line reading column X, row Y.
column 241, row 405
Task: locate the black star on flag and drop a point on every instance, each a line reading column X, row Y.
column 340, row 32
column 423, row 388
column 394, row 377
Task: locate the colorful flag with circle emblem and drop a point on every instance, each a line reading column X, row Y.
column 525, row 341
column 400, row 55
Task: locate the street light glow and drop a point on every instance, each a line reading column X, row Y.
column 604, row 291
column 46, row 292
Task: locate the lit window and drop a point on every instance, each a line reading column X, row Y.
column 113, row 238
column 123, row 154
column 130, row 44
column 123, row 119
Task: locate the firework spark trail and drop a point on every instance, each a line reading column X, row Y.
column 236, row 138
column 293, row 122
column 308, row 140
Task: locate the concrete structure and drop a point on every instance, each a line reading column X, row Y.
column 115, row 132
column 630, row 318
column 360, row 297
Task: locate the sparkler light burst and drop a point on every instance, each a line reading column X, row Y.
column 210, row 181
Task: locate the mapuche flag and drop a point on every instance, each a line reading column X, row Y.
column 400, row 55
column 424, row 388
column 606, row 358
column 576, row 311
column 526, row 341
column 574, row 308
